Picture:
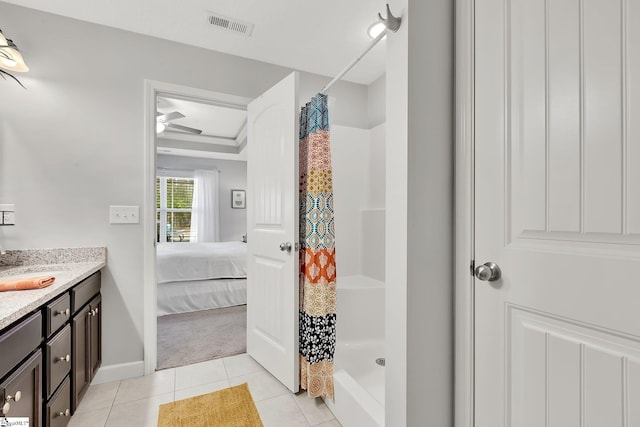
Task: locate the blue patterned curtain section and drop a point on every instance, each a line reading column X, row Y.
column 317, row 251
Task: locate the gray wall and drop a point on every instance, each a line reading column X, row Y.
column 233, row 176
column 419, row 259
column 430, row 215
column 73, row 143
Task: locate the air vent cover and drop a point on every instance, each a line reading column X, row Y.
column 230, row 24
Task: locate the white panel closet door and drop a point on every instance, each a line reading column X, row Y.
column 557, row 157
column 272, row 216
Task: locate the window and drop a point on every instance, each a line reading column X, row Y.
column 174, row 201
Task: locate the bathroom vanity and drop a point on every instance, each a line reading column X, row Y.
column 50, row 340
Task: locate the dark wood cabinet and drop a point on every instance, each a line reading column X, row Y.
column 58, row 409
column 58, row 360
column 21, row 392
column 95, row 341
column 18, row 341
column 80, row 365
column 86, row 327
column 49, row 357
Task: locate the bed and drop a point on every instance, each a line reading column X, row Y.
column 201, row 276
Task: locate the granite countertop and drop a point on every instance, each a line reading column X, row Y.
column 69, row 266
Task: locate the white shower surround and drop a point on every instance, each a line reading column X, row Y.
column 358, row 163
column 358, row 160
column 359, row 382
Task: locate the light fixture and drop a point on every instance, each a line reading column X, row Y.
column 11, row 58
column 375, row 29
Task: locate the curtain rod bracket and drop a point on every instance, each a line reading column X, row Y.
column 392, row 22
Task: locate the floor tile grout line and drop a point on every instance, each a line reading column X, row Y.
column 143, row 398
column 304, row 414
column 295, row 401
column 226, row 372
column 290, row 395
column 106, row 421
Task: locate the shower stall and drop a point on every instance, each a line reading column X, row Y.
column 359, row 190
column 359, row 181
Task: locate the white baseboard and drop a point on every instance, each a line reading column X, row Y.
column 118, row 372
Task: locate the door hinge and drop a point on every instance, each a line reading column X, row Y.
column 472, row 267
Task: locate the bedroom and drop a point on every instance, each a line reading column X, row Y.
column 201, row 254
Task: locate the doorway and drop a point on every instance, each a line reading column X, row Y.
column 173, row 153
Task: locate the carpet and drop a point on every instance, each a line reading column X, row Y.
column 231, row 407
column 187, row 338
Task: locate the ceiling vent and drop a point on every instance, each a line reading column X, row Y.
column 230, row 24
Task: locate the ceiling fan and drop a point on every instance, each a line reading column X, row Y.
column 163, row 121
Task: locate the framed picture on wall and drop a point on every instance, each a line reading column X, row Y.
column 238, row 199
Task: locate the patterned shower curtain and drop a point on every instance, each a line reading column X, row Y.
column 317, row 251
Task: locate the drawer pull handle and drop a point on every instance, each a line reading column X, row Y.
column 66, row 413
column 7, row 406
column 63, row 312
column 93, row 312
column 66, row 358
column 15, row 398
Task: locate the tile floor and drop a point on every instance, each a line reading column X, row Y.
column 135, row 402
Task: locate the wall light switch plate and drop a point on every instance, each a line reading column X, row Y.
column 124, row 214
column 7, row 214
column 9, row 218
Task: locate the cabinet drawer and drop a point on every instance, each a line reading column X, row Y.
column 57, row 313
column 19, row 341
column 58, row 359
column 59, row 407
column 25, row 382
column 82, row 293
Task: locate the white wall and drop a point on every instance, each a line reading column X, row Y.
column 349, row 148
column 377, row 168
column 358, row 178
column 419, row 370
column 233, row 176
column 73, row 143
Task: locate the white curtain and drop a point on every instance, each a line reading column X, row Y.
column 204, row 219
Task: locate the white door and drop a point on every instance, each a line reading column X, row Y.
column 557, row 199
column 272, row 221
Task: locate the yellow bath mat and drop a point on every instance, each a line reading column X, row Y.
column 231, row 407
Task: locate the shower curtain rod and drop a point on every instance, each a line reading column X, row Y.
column 391, row 23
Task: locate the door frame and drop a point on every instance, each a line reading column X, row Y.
column 152, row 89
column 464, row 208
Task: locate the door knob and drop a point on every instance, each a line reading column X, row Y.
column 489, row 271
column 285, row 247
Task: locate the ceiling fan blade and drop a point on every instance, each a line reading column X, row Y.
column 184, row 128
column 170, row 116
